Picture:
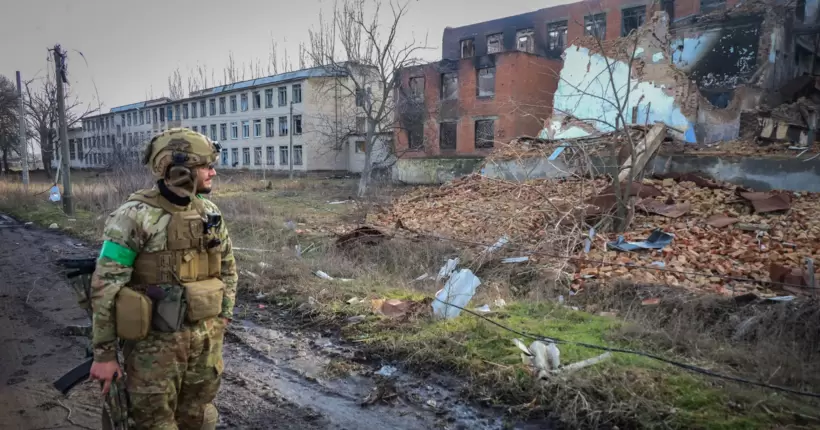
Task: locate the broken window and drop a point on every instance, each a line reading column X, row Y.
column 415, row 135
column 417, row 87
column 467, row 48
column 525, row 40
column 556, row 36
column 632, row 18
column 484, row 133
column 668, row 6
column 449, row 86
column 447, row 138
column 595, row 25
column 486, row 82
column 707, row 6
column 361, row 125
column 495, row 43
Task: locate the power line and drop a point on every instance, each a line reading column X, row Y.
column 689, row 367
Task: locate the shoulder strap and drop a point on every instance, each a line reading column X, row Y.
column 152, row 197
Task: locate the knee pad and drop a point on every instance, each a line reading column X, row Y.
column 210, row 417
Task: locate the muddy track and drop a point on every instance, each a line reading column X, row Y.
column 275, row 377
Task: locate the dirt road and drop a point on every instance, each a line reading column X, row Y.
column 275, row 377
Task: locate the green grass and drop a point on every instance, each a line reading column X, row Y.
column 638, row 391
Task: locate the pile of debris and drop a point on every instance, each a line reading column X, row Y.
column 696, row 233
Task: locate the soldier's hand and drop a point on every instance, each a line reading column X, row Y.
column 105, row 371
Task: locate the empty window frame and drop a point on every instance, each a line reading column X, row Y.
column 416, row 86
column 448, row 133
column 415, row 135
column 449, row 86
column 595, row 25
column 495, row 43
column 632, row 18
column 257, row 100
column 525, row 40
column 486, row 82
column 467, row 48
column 257, row 156
column 556, row 36
column 484, row 133
column 296, row 89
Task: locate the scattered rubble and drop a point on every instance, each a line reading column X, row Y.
column 722, row 233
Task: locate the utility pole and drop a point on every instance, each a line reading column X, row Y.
column 59, row 64
column 22, row 135
column 290, row 150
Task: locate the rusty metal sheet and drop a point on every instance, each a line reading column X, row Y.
column 768, row 202
column 653, row 206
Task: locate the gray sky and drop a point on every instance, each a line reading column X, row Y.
column 133, row 46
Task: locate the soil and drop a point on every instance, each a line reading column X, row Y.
column 275, row 375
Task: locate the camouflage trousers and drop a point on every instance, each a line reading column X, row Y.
column 173, row 378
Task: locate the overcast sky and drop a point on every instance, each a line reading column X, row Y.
column 133, row 46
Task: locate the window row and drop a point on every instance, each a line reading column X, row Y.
column 270, row 156
column 485, row 85
column 248, row 125
column 484, row 135
column 556, row 32
column 203, row 108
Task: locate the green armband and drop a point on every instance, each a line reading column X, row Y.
column 118, row 253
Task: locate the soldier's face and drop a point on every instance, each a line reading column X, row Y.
column 204, row 175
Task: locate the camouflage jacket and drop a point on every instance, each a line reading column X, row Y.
column 140, row 227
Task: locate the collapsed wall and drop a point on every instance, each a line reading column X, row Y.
column 696, row 82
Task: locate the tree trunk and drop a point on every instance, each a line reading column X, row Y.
column 364, row 180
column 6, row 169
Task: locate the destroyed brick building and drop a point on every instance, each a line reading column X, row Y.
column 698, row 66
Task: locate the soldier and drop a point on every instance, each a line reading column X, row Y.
column 165, row 285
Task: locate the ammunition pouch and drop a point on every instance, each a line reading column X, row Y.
column 169, row 309
column 204, row 298
column 133, row 314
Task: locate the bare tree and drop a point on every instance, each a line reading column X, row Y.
column 175, row 89
column 9, row 121
column 40, row 101
column 365, row 68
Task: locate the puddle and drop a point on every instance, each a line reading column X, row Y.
column 293, row 365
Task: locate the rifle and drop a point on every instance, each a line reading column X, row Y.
column 79, row 276
column 115, row 407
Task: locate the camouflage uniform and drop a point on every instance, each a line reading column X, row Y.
column 171, row 377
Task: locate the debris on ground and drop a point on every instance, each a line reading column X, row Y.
column 657, row 240
column 458, row 290
column 723, row 233
column 327, row 277
column 541, row 358
column 365, row 235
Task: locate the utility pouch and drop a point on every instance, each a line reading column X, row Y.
column 169, row 311
column 204, row 298
column 133, row 314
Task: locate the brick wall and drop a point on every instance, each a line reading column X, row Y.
column 524, row 86
column 573, row 13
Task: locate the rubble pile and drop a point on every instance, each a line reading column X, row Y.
column 719, row 231
column 476, row 208
column 724, row 233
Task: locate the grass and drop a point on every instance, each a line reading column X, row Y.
column 269, row 219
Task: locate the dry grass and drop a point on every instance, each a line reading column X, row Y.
column 268, row 220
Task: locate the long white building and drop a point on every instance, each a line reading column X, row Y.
column 253, row 120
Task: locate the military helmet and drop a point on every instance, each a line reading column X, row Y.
column 173, row 154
